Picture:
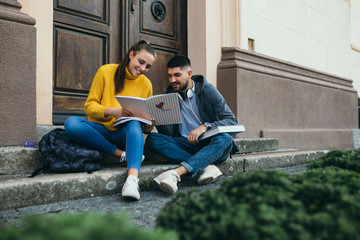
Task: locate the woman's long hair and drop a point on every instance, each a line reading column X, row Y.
column 119, row 78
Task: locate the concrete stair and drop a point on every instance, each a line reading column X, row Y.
column 17, row 163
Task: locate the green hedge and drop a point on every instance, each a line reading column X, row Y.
column 349, row 160
column 322, row 203
column 93, row 226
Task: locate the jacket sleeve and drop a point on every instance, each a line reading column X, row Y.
column 216, row 111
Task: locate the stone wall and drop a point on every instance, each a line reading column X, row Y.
column 17, row 75
column 302, row 107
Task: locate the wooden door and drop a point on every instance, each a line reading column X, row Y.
column 164, row 25
column 90, row 33
column 86, row 36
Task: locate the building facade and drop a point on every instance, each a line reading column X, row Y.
column 289, row 69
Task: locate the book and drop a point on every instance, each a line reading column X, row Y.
column 163, row 108
column 122, row 120
column 231, row 129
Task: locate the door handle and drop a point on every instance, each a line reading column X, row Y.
column 132, row 7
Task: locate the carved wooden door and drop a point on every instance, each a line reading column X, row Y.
column 164, row 24
column 86, row 36
column 90, row 33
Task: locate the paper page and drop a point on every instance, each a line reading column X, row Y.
column 165, row 109
column 135, row 105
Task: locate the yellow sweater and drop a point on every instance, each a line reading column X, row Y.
column 102, row 93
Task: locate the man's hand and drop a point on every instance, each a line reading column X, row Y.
column 194, row 135
column 117, row 112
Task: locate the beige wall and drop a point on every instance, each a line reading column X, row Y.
column 355, row 42
column 314, row 34
column 323, row 35
column 212, row 24
column 42, row 11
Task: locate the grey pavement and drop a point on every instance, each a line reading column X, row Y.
column 142, row 213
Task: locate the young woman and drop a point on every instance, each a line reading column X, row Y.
column 125, row 141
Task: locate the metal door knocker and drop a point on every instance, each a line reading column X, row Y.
column 158, row 10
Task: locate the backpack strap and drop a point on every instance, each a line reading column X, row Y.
column 39, row 170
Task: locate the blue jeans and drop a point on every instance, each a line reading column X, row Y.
column 194, row 157
column 128, row 137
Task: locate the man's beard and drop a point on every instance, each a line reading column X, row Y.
column 184, row 87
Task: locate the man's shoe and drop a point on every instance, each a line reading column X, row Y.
column 209, row 175
column 130, row 189
column 123, row 157
column 167, row 181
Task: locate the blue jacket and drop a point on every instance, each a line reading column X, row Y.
column 212, row 108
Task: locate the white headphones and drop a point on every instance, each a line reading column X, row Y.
column 189, row 94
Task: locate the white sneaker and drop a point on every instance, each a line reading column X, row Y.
column 123, row 157
column 130, row 189
column 167, row 181
column 209, row 175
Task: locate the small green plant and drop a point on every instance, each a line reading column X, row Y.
column 147, row 184
column 80, row 227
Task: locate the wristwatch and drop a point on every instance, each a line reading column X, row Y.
column 207, row 125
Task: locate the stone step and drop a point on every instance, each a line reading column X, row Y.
column 250, row 145
column 18, row 191
column 17, row 159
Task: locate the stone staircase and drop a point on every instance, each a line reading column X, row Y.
column 17, row 163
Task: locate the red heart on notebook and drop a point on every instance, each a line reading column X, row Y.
column 160, row 105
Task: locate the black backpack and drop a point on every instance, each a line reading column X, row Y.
column 60, row 154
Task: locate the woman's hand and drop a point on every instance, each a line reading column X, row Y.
column 117, row 112
column 148, row 128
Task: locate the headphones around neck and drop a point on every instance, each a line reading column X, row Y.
column 189, row 94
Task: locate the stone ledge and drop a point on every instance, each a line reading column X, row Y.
column 279, row 159
column 249, row 145
column 22, row 159
column 20, row 191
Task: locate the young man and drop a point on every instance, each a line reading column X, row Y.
column 202, row 108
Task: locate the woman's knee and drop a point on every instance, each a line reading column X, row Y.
column 134, row 127
column 70, row 123
column 73, row 125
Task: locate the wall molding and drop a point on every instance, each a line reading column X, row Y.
column 252, row 61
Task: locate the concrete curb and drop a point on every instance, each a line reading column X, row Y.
column 20, row 191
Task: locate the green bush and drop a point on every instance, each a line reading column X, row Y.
column 349, row 160
column 80, row 227
column 318, row 204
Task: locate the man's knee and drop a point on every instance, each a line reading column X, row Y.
column 151, row 139
column 155, row 140
column 224, row 137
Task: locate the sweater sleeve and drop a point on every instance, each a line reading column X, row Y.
column 93, row 107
